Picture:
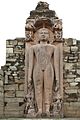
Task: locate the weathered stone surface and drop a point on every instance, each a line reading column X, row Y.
column 70, row 91
column 70, row 80
column 19, row 93
column 1, row 94
column 73, row 84
column 66, row 49
column 77, row 79
column 69, row 66
column 13, row 100
column 1, row 82
column 74, row 48
column 71, row 76
column 10, row 93
column 9, row 50
column 21, row 87
column 13, row 68
column 9, row 87
column 78, row 71
column 11, row 60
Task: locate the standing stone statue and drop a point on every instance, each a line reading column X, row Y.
column 43, row 70
column 43, row 63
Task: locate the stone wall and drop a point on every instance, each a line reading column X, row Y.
column 12, row 79
column 1, row 94
column 71, row 78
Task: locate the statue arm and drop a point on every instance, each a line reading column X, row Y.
column 30, row 70
column 56, row 66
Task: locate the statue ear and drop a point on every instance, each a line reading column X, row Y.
column 48, row 42
column 39, row 41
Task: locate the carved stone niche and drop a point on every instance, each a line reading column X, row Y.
column 43, row 64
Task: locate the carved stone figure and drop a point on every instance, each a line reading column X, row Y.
column 43, row 63
column 43, row 70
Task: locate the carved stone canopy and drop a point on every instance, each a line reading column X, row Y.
column 42, row 16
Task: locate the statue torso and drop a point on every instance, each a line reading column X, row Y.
column 43, row 54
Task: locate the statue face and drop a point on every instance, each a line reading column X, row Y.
column 43, row 34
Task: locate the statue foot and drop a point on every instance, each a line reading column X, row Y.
column 38, row 114
column 48, row 114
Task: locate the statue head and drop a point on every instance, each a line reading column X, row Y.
column 43, row 34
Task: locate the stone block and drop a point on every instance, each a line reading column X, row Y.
column 79, row 91
column 66, row 49
column 70, row 91
column 74, row 48
column 11, row 42
column 21, row 87
column 73, row 84
column 19, row 81
column 11, row 60
column 1, row 82
column 1, row 108
column 65, row 58
column 1, row 94
column 16, row 87
column 20, row 43
column 69, row 41
column 78, row 71
column 73, row 58
column 13, row 100
column 1, row 89
column 72, row 61
column 1, row 114
column 8, row 64
column 8, row 73
column 12, row 106
column 13, row 68
column 13, row 113
column 1, row 105
column 71, row 76
column 1, row 99
column 9, row 93
column 6, row 79
column 75, row 105
column 19, row 93
column 15, row 42
column 78, row 98
column 7, row 42
column 9, row 50
column 1, row 72
column 74, row 42
column 9, row 87
column 9, row 46
column 77, row 79
column 68, row 66
column 70, row 80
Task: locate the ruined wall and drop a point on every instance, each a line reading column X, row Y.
column 1, row 94
column 12, row 79
column 71, row 78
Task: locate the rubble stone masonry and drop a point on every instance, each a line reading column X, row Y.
column 71, row 58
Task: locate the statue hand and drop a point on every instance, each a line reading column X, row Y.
column 29, row 79
column 57, row 86
column 29, row 82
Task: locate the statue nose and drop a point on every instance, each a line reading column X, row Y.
column 43, row 35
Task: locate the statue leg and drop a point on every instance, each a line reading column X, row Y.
column 38, row 85
column 48, row 83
